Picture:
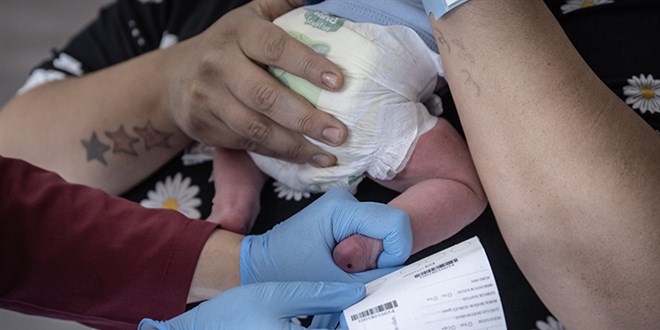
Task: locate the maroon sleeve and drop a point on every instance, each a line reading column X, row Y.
column 73, row 252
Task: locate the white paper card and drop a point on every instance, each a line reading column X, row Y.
column 452, row 289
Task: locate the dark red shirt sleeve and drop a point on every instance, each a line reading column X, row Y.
column 73, row 252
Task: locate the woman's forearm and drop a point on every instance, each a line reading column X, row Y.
column 218, row 266
column 571, row 172
column 74, row 252
column 108, row 129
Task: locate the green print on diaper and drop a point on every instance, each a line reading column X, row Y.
column 297, row 84
column 323, row 21
column 353, row 178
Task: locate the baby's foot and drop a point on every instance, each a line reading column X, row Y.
column 236, row 204
column 357, row 253
column 234, row 214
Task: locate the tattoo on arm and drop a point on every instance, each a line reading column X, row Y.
column 95, row 149
column 466, row 56
column 470, row 82
column 462, row 52
column 440, row 39
column 122, row 142
column 153, row 137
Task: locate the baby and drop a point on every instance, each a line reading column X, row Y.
column 389, row 71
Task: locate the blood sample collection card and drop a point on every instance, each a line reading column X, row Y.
column 453, row 289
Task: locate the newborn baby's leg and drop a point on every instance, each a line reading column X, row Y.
column 238, row 184
column 441, row 190
column 441, row 193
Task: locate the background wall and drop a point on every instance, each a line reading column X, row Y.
column 29, row 29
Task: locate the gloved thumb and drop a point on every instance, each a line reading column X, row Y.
column 313, row 298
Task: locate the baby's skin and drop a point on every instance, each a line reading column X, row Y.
column 439, row 187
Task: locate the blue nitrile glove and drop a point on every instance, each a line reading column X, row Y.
column 329, row 321
column 300, row 248
column 261, row 306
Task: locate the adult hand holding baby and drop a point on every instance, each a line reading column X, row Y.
column 211, row 87
column 222, row 97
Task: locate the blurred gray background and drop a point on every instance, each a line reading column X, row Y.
column 29, row 29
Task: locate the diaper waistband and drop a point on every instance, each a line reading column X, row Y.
column 408, row 13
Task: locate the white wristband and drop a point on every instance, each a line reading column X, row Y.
column 440, row 7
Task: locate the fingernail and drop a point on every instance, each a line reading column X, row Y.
column 322, row 160
column 329, row 79
column 332, row 134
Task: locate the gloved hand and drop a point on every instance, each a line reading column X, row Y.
column 300, row 248
column 264, row 306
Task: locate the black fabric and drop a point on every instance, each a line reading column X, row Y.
column 110, row 38
column 617, row 39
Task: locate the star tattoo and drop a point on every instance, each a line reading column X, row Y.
column 122, row 141
column 95, row 149
column 153, row 137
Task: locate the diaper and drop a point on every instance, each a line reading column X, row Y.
column 389, row 71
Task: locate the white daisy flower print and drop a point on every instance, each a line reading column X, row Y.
column 287, row 193
column 197, row 153
column 573, row 5
column 175, row 194
column 68, row 63
column 551, row 324
column 643, row 93
column 40, row 77
column 168, row 40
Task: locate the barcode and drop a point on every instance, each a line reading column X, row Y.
column 436, row 268
column 380, row 308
